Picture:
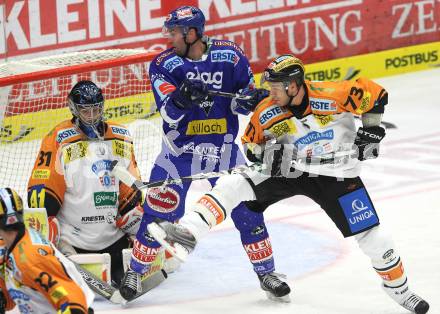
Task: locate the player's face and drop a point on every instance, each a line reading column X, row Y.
column 278, row 93
column 175, row 39
column 90, row 114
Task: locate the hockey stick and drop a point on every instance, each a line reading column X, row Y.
column 128, row 179
column 100, row 287
column 228, row 95
column 36, row 218
column 387, row 125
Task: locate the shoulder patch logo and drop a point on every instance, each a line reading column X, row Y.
column 172, row 63
column 65, row 134
column 120, row 131
column 270, row 113
column 224, row 56
column 323, row 105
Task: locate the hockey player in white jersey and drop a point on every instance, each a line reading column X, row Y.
column 71, row 179
column 305, row 134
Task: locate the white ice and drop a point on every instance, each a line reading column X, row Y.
column 327, row 273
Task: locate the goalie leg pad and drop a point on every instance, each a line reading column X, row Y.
column 98, row 264
column 255, row 238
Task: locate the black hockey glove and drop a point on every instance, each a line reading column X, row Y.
column 367, row 141
column 189, row 93
column 278, row 158
column 255, row 96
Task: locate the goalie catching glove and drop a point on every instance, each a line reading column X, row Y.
column 367, row 141
column 130, row 221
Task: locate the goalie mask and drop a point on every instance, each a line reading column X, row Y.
column 284, row 69
column 86, row 103
column 11, row 209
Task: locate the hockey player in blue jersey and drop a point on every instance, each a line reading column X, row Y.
column 200, row 130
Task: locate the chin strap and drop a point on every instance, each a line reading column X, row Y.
column 188, row 45
column 291, row 97
column 95, row 132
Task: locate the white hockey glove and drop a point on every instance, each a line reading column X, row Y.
column 130, row 221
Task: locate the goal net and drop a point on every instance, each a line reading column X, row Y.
column 33, row 97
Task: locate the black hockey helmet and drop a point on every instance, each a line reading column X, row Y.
column 86, row 95
column 285, row 68
column 11, row 209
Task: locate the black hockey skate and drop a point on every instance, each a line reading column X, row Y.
column 175, row 238
column 407, row 299
column 130, row 285
column 275, row 288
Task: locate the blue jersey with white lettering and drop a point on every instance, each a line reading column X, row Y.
column 204, row 129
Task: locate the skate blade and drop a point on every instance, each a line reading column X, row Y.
column 176, row 250
column 283, row 299
column 117, row 298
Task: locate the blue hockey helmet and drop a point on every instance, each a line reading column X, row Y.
column 11, row 209
column 186, row 17
column 86, row 102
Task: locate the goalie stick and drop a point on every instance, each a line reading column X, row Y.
column 111, row 293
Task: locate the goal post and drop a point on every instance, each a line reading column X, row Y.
column 33, row 99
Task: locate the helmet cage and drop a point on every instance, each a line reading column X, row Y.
column 86, row 103
column 11, row 209
column 88, row 114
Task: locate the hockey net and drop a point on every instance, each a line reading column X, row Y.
column 33, row 100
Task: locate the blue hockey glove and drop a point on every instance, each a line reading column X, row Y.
column 255, row 95
column 367, row 141
column 190, row 92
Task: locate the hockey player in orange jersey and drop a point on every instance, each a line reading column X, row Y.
column 34, row 276
column 306, row 136
column 71, row 179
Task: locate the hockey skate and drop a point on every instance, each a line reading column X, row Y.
column 407, row 299
column 275, row 288
column 130, row 285
column 175, row 238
